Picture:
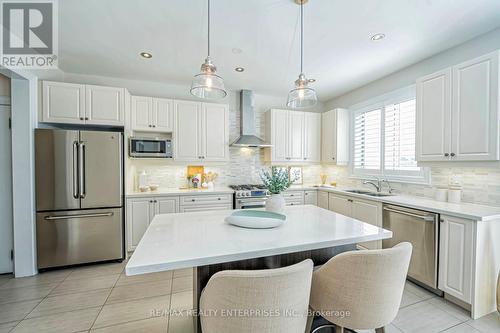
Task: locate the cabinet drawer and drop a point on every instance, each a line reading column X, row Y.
column 196, row 208
column 293, row 195
column 211, row 199
column 294, row 202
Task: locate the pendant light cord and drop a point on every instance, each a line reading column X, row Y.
column 208, row 51
column 301, row 35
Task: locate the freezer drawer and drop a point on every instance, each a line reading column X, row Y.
column 75, row 237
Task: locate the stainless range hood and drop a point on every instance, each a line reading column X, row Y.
column 248, row 137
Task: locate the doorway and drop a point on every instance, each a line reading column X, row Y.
column 6, row 227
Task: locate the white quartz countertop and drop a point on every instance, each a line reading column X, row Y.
column 463, row 210
column 178, row 191
column 174, row 241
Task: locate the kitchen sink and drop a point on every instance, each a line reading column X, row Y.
column 359, row 191
column 370, row 193
column 373, row 194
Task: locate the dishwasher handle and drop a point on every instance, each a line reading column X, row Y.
column 427, row 218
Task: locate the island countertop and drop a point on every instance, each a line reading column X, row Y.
column 174, row 241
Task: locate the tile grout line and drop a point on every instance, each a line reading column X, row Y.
column 102, row 307
column 41, row 300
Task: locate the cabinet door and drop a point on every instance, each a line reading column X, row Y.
column 456, row 246
column 279, row 135
column 63, row 102
column 142, row 113
column 323, row 199
column 215, row 132
column 433, row 117
column 166, row 205
column 187, row 138
column 369, row 212
column 328, row 135
column 104, row 105
column 295, row 135
column 312, row 137
column 475, row 125
column 311, row 198
column 140, row 212
column 340, row 204
column 163, row 115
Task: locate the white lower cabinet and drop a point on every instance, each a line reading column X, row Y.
column 311, row 198
column 323, row 199
column 456, row 247
column 364, row 210
column 140, row 213
column 294, row 198
column 200, row 203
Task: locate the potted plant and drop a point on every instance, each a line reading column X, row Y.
column 276, row 181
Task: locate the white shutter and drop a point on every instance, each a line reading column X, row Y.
column 367, row 140
column 399, row 144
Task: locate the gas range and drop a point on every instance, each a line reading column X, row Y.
column 249, row 196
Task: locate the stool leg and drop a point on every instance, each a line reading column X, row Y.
column 380, row 330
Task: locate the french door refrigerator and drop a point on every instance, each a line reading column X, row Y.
column 79, row 197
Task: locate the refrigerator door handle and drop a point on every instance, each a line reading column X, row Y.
column 67, row 217
column 81, row 171
column 75, row 170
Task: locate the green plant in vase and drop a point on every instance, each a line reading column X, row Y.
column 276, row 181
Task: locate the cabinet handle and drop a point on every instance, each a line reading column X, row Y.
column 156, row 201
column 154, row 125
column 192, row 200
column 81, row 118
column 86, row 118
column 149, row 125
column 305, row 158
column 218, row 198
column 446, row 154
column 441, row 220
column 333, row 158
column 350, row 200
column 452, row 154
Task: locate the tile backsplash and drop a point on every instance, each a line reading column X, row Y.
column 479, row 185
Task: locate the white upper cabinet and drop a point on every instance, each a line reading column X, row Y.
column 152, row 114
column 335, row 137
column 434, row 116
column 71, row 103
column 295, row 136
column 201, row 132
column 63, row 102
column 104, row 105
column 141, row 113
column 215, row 132
column 474, row 131
column 163, row 115
column 312, row 137
column 457, row 112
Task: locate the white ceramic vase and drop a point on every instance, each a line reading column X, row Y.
column 276, row 203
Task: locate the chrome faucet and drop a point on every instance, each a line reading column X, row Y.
column 390, row 189
column 378, row 185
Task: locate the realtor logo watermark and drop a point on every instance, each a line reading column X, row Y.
column 29, row 37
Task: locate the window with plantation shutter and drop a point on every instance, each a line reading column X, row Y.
column 383, row 138
column 367, row 140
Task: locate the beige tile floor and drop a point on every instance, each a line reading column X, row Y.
column 101, row 298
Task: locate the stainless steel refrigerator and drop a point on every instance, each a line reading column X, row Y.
column 79, row 197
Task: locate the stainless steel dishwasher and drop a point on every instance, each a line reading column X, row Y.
column 420, row 228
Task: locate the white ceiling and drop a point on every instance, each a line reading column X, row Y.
column 105, row 37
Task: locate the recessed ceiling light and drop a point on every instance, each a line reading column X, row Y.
column 311, row 80
column 239, row 69
column 377, row 37
column 146, row 55
column 237, row 50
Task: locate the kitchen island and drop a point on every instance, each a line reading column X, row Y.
column 205, row 241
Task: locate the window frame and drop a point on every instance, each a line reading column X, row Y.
column 380, row 102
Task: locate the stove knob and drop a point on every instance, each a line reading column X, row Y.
column 247, row 194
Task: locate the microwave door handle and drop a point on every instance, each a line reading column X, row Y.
column 81, row 171
column 75, row 170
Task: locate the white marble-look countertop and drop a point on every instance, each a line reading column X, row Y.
column 174, row 241
column 463, row 210
column 178, row 191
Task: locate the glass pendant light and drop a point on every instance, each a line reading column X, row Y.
column 301, row 96
column 208, row 84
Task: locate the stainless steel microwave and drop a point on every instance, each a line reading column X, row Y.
column 150, row 147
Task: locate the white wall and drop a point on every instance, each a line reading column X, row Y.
column 407, row 76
